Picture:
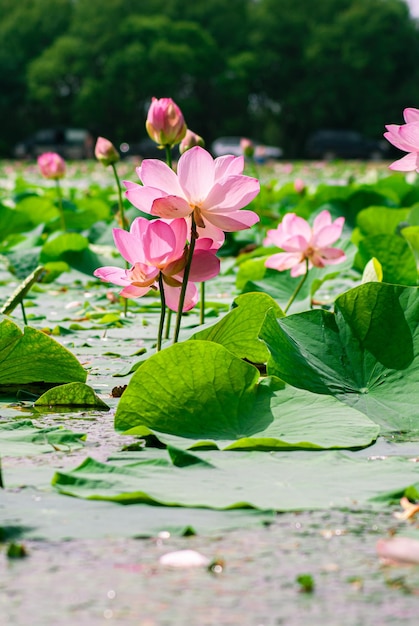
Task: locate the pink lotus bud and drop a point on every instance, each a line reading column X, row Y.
column 190, row 140
column 105, row 152
column 51, row 165
column 247, row 147
column 165, row 123
column 299, row 185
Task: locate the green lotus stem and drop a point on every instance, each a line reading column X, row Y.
column 168, row 149
column 23, row 313
column 122, row 220
column 168, row 321
column 298, row 288
column 194, row 236
column 162, row 312
column 202, row 304
column 169, row 162
column 60, row 204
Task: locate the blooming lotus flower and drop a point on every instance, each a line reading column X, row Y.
column 405, row 137
column 105, row 152
column 159, row 247
column 300, row 241
column 190, row 140
column 51, row 165
column 213, row 190
column 165, row 123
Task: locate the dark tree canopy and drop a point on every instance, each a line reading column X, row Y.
column 272, row 69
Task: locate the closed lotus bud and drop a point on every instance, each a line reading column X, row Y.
column 165, row 123
column 105, row 152
column 51, row 165
column 247, row 147
column 299, row 185
column 190, row 140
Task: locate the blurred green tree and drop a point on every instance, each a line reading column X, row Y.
column 271, row 69
column 336, row 64
column 27, row 27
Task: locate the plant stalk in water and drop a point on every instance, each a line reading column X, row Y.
column 194, row 236
column 162, row 312
column 121, row 219
column 60, row 204
column 298, row 288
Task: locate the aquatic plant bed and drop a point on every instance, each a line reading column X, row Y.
column 280, row 449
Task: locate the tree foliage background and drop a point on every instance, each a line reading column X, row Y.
column 272, row 69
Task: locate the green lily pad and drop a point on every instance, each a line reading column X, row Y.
column 239, row 330
column 32, row 356
column 71, row 394
column 23, row 438
column 220, row 402
column 366, row 353
column 395, row 256
column 278, row 481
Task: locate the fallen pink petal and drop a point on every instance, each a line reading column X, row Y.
column 399, row 550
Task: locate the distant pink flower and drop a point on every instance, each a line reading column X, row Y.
column 214, row 190
column 300, row 242
column 105, row 151
column 51, row 165
column 165, row 123
column 247, row 147
column 299, row 185
column 405, row 137
column 157, row 246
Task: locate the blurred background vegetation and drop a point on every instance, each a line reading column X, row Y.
column 275, row 70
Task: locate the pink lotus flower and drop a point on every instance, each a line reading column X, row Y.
column 51, row 165
column 105, row 151
column 165, row 123
column 214, row 190
column 405, row 137
column 154, row 247
column 190, row 140
column 300, row 242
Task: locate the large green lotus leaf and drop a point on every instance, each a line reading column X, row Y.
column 411, row 234
column 58, row 245
column 38, row 209
column 366, row 353
column 48, row 516
column 239, row 330
column 190, row 383
column 394, row 254
column 380, row 220
column 219, row 403
column 89, row 212
column 12, row 221
column 294, row 419
column 278, row 481
column 396, row 186
column 71, row 394
column 22, row 438
column 32, row 356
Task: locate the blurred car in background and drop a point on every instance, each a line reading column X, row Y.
column 344, row 144
column 70, row 143
column 145, row 149
column 232, row 145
